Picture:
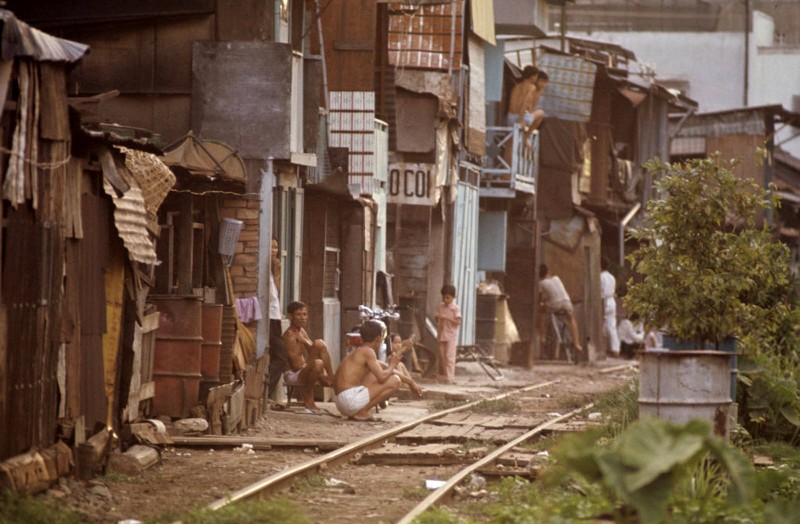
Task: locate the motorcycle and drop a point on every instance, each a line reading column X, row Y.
column 419, row 357
column 381, row 315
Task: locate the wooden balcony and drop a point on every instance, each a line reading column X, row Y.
column 507, row 173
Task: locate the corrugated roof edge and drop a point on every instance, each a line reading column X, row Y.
column 20, row 39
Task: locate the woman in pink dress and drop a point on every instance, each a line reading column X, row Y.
column 448, row 318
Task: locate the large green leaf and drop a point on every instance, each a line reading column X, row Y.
column 790, row 414
column 737, row 466
column 653, row 438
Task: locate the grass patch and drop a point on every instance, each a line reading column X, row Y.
column 309, row 483
column 417, row 493
column 503, row 405
column 24, row 508
column 780, row 452
column 441, row 405
column 119, row 478
column 620, row 408
column 276, row 511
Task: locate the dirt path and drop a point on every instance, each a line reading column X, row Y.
column 192, row 477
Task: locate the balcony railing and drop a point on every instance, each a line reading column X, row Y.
column 511, row 164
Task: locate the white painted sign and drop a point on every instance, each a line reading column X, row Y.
column 411, row 184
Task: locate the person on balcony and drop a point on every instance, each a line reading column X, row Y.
column 521, row 97
column 533, row 116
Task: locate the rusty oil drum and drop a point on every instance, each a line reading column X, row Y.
column 176, row 359
column 678, row 386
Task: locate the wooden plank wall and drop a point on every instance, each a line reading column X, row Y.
column 350, row 44
column 150, row 63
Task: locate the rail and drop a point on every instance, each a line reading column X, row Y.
column 448, row 486
column 280, row 480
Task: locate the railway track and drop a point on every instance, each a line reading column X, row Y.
column 408, row 443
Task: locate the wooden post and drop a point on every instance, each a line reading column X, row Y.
column 184, row 251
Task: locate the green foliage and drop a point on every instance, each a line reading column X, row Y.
column 768, row 398
column 23, row 508
column 645, row 466
column 708, row 272
column 437, row 516
column 248, row 512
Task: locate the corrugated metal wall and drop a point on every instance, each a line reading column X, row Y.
column 465, row 258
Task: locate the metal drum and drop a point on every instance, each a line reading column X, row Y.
column 679, row 386
column 176, row 358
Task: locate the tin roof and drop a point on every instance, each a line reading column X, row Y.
column 20, row 39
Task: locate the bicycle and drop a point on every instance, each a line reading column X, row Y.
column 559, row 343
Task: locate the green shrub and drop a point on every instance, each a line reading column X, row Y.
column 247, row 512
column 16, row 509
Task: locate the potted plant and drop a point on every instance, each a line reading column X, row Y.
column 705, row 270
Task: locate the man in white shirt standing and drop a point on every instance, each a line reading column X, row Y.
column 608, row 289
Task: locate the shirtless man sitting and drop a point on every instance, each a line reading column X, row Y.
column 297, row 342
column 361, row 382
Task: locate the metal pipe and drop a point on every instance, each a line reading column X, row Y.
column 746, row 50
column 322, row 54
column 628, row 217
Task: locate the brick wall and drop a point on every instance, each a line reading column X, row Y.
column 244, row 269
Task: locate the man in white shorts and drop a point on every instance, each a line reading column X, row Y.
column 361, row 382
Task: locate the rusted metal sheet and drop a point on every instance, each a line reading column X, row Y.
column 31, row 405
column 130, row 217
column 93, row 255
column 20, row 39
column 427, row 38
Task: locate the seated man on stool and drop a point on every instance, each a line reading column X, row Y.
column 302, row 373
column 361, row 382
